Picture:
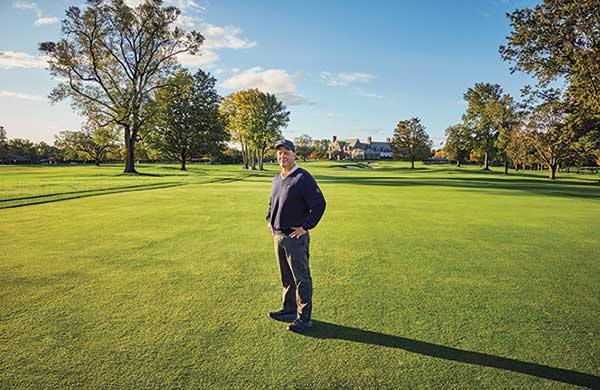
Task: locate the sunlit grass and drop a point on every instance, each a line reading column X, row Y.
column 435, row 277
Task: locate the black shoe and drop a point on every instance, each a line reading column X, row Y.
column 300, row 325
column 282, row 315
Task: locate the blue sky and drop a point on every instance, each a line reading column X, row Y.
column 344, row 68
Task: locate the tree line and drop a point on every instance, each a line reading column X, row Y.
column 557, row 122
column 118, row 67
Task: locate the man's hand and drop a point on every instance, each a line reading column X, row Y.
column 298, row 232
column 271, row 228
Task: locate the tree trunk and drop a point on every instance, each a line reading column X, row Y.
column 183, row 163
column 506, row 167
column 130, row 156
column 486, row 162
column 261, row 162
column 552, row 171
column 244, row 154
column 412, row 164
column 252, row 160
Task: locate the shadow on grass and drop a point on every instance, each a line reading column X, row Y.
column 579, row 189
column 58, row 197
column 468, row 170
column 153, row 174
column 326, row 330
column 113, row 189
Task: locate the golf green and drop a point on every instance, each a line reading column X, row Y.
column 435, row 277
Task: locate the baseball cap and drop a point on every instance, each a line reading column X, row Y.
column 286, row 143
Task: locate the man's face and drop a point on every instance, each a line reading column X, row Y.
column 285, row 157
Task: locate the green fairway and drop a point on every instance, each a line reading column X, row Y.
column 437, row 277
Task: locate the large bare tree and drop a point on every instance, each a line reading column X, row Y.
column 112, row 59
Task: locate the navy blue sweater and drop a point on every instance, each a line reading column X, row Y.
column 295, row 201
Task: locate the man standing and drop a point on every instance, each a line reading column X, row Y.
column 295, row 206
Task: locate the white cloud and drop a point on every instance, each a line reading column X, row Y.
column 44, row 21
column 186, row 22
column 28, row 5
column 364, row 93
column 268, row 80
column 292, row 100
column 206, row 57
column 183, row 5
column 12, row 59
column 275, row 81
column 343, row 79
column 223, row 37
column 18, row 95
column 32, row 6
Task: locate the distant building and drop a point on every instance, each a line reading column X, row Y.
column 355, row 150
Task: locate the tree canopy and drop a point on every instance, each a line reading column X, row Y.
column 559, row 40
column 188, row 124
column 489, row 112
column 254, row 120
column 304, row 145
column 411, row 142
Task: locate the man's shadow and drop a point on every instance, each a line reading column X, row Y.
column 325, row 330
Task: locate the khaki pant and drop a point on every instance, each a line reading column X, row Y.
column 292, row 256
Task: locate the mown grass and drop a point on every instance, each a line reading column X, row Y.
column 435, row 277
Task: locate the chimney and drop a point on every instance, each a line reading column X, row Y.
column 388, row 140
column 369, row 140
column 334, row 139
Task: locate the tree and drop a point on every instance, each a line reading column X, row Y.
column 559, row 40
column 488, row 113
column 89, row 143
column 269, row 116
column 3, row 143
column 22, row 150
column 320, row 149
column 517, row 148
column 458, row 143
column 411, row 142
column 585, row 148
column 48, row 153
column 546, row 133
column 254, row 119
column 234, row 113
column 508, row 118
column 303, row 145
column 188, row 124
column 114, row 58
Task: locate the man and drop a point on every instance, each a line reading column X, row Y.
column 295, row 206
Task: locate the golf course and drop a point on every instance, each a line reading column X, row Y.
column 433, row 277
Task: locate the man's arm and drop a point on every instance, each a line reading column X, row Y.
column 314, row 200
column 269, row 217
